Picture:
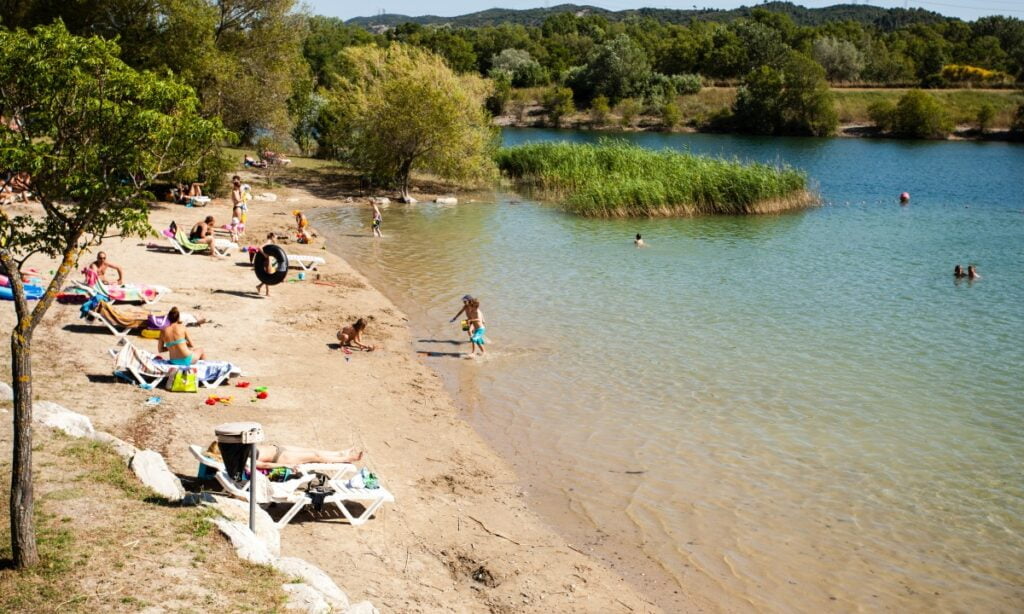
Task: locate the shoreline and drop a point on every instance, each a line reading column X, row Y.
column 460, row 536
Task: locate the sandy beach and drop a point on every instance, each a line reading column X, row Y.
column 460, row 536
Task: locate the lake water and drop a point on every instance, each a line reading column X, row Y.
column 801, row 412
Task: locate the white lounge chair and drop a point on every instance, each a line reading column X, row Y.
column 306, row 263
column 149, row 370
column 289, row 493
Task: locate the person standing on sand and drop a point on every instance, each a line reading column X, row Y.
column 267, row 262
column 378, row 219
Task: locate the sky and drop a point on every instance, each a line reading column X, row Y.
column 964, row 9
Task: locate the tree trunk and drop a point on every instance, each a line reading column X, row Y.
column 23, row 530
column 404, row 171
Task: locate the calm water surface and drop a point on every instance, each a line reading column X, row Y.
column 790, row 413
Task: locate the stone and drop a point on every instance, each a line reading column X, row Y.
column 152, row 471
column 247, row 546
column 446, row 200
column 409, row 200
column 120, row 447
column 59, row 417
column 6, row 392
column 238, row 511
column 305, row 598
column 363, row 607
column 313, row 576
column 267, row 196
column 380, row 200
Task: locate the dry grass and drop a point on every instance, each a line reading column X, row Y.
column 109, row 545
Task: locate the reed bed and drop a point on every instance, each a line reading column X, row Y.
column 616, row 179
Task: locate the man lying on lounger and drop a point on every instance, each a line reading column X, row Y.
column 274, row 455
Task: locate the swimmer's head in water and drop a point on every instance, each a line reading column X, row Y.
column 638, row 236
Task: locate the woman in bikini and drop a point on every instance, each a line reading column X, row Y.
column 272, row 455
column 175, row 341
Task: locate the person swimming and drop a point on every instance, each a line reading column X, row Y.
column 639, row 241
column 972, row 273
column 958, row 272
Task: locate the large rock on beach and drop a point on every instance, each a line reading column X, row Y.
column 238, row 511
column 446, row 200
column 380, row 200
column 305, row 598
column 247, row 546
column 409, row 200
column 152, row 471
column 363, row 607
column 59, row 417
column 267, row 196
column 6, row 392
column 120, row 447
column 315, row 577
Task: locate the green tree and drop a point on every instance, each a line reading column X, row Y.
column 841, row 59
column 520, row 67
column 670, row 115
column 617, row 69
column 882, row 114
column 793, row 100
column 986, row 113
column 93, row 133
column 402, row 109
column 557, row 103
column 629, row 109
column 599, row 111
column 920, row 115
column 1018, row 120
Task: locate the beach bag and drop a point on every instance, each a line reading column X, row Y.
column 185, row 380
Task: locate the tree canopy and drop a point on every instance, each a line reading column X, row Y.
column 400, row 109
column 93, row 133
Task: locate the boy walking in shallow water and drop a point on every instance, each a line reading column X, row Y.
column 475, row 319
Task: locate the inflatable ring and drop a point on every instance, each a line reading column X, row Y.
column 259, row 263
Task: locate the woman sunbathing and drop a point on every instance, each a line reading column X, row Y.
column 175, row 341
column 272, row 455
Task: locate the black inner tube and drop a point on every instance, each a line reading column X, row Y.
column 277, row 273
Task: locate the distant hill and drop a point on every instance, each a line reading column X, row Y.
column 886, row 19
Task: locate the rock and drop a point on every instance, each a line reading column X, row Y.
column 6, row 392
column 238, row 511
column 315, row 577
column 348, row 199
column 446, row 200
column 305, row 598
column 247, row 546
column 153, row 472
column 409, row 200
column 122, row 448
column 380, row 200
column 363, row 607
column 266, row 196
column 59, row 417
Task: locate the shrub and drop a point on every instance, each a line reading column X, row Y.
column 841, row 59
column 920, row 115
column 882, row 114
column 557, row 103
column 1018, row 120
column 670, row 115
column 617, row 69
column 962, row 73
column 986, row 113
column 500, row 95
column 520, row 68
column 628, row 110
column 599, row 111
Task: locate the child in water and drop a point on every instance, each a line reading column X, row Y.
column 476, row 325
column 639, row 241
column 378, row 219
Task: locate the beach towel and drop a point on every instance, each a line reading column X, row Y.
column 131, row 358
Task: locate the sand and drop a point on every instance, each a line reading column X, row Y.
column 459, row 537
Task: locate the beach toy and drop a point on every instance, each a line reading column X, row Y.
column 465, row 325
column 214, row 399
column 261, row 395
column 32, row 293
column 153, row 401
column 150, row 333
column 260, row 389
column 302, row 275
column 242, row 385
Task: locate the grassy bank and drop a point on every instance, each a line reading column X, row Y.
column 616, row 179
column 108, row 544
